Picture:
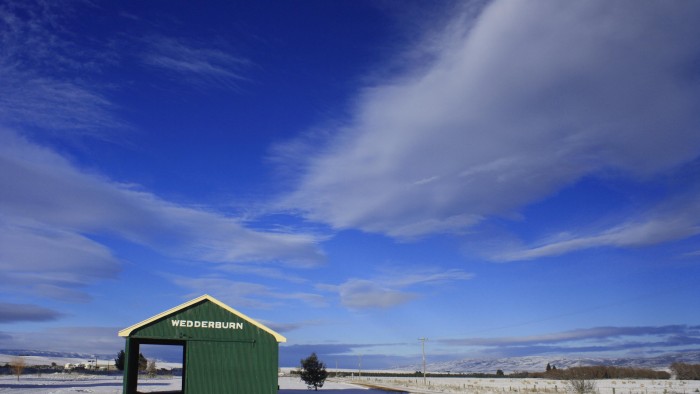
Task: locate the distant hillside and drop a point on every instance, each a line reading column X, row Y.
column 539, row 363
column 40, row 357
column 48, row 354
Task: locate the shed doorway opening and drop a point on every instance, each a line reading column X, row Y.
column 164, row 368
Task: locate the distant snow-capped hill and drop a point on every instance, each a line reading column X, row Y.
column 539, row 363
column 42, row 357
column 44, row 353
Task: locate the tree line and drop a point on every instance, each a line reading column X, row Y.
column 685, row 371
column 602, row 372
column 682, row 371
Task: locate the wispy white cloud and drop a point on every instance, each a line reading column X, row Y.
column 428, row 277
column 46, row 261
column 45, row 75
column 674, row 220
column 252, row 295
column 524, row 101
column 49, row 209
column 33, row 35
column 390, row 289
column 34, row 101
column 13, row 313
column 55, row 215
column 198, row 63
column 54, row 81
column 43, row 186
column 357, row 293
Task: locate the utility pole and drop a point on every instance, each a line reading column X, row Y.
column 360, row 367
column 422, row 340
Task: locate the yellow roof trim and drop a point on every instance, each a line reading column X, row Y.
column 127, row 331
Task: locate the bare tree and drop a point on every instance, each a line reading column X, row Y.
column 580, row 381
column 17, row 366
column 685, row 371
column 143, row 362
column 151, row 369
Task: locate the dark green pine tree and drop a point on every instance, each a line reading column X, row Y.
column 313, row 372
column 549, row 367
column 119, row 361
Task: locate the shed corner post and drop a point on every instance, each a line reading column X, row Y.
column 131, row 365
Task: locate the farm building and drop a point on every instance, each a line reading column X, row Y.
column 224, row 351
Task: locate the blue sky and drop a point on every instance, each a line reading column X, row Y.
column 504, row 178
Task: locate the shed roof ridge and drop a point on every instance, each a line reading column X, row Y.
column 206, row 297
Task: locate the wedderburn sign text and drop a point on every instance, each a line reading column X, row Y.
column 207, row 324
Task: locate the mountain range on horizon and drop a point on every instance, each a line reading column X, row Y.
column 539, row 363
column 467, row 365
column 53, row 354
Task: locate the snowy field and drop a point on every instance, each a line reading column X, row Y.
column 532, row 386
column 60, row 383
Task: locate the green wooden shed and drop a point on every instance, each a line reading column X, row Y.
column 224, row 351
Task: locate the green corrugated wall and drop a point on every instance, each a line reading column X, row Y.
column 218, row 360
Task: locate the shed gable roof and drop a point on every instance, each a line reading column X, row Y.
column 127, row 331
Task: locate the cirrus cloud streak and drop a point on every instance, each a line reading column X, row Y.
column 391, row 289
column 51, row 212
column 517, row 104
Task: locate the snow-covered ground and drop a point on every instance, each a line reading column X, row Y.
column 529, row 386
column 61, row 383
column 42, row 360
column 538, row 363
